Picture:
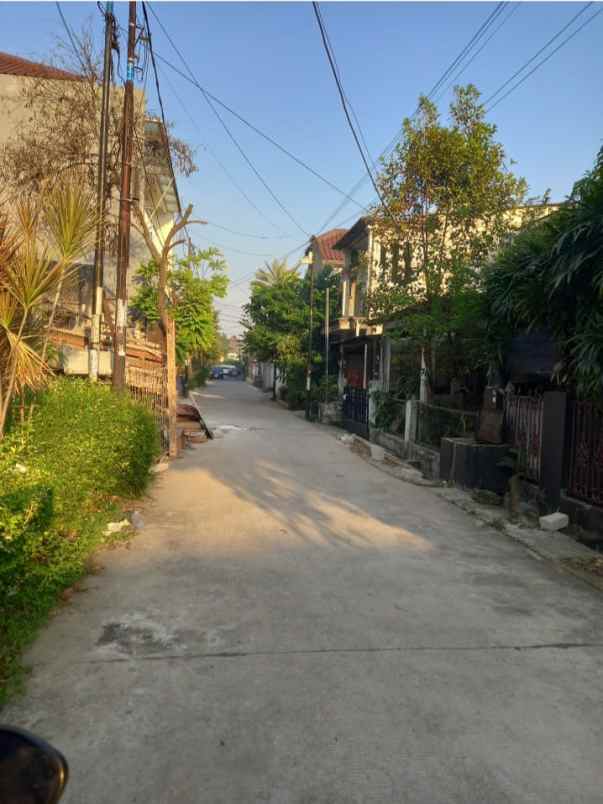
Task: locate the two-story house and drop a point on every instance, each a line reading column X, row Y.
column 357, row 340
column 153, row 188
column 364, row 349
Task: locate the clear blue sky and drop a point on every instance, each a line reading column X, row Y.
column 266, row 61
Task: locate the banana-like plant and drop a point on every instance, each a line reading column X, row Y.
column 41, row 241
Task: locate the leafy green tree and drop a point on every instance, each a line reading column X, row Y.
column 277, row 323
column 193, row 283
column 448, row 199
column 550, row 277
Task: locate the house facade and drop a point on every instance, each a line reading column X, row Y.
column 358, row 342
column 153, row 186
column 321, row 251
column 366, row 354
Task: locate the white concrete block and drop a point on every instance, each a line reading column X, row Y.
column 377, row 452
column 555, row 521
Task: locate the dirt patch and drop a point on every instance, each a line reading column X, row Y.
column 594, row 566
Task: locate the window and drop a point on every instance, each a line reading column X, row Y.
column 395, row 261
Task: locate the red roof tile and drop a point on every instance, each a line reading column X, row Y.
column 15, row 65
column 325, row 243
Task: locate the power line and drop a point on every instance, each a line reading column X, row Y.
column 72, row 38
column 542, row 49
column 192, row 79
column 389, row 148
column 348, row 101
column 226, row 172
column 160, row 99
column 514, row 7
column 474, row 39
column 323, row 35
column 243, row 234
column 236, row 250
column 243, row 154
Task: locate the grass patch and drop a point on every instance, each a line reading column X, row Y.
column 61, row 479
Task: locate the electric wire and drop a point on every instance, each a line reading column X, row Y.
column 210, row 102
column 545, row 59
column 342, row 98
column 222, row 167
column 192, row 79
column 463, row 67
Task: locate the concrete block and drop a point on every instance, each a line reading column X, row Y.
column 555, row 521
column 160, row 467
column 377, row 452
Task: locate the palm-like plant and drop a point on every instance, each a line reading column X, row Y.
column 276, row 272
column 551, row 277
column 40, row 242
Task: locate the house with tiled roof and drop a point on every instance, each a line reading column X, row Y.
column 321, row 252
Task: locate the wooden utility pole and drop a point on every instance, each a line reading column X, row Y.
column 310, row 333
column 101, row 202
column 327, row 322
column 125, row 202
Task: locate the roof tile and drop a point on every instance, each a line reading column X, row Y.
column 15, row 65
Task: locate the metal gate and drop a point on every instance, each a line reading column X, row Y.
column 355, row 411
column 523, row 427
column 586, row 452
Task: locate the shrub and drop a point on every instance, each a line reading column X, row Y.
column 61, row 476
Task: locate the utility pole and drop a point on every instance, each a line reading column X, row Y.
column 310, row 333
column 327, row 322
column 101, row 202
column 125, row 202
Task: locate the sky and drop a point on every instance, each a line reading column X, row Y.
column 266, row 61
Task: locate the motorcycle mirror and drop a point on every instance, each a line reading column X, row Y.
column 31, row 770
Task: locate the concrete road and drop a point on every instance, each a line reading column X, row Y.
column 293, row 626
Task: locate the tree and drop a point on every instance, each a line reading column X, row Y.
column 274, row 323
column 31, row 274
column 276, row 273
column 448, row 201
column 162, row 255
column 193, row 284
column 277, row 320
column 550, row 277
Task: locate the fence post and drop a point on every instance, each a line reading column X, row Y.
column 172, row 391
column 553, row 442
column 411, row 420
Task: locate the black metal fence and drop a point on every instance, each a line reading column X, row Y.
column 355, row 411
column 435, row 423
column 585, row 452
column 523, row 430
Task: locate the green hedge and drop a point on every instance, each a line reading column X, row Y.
column 61, row 478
